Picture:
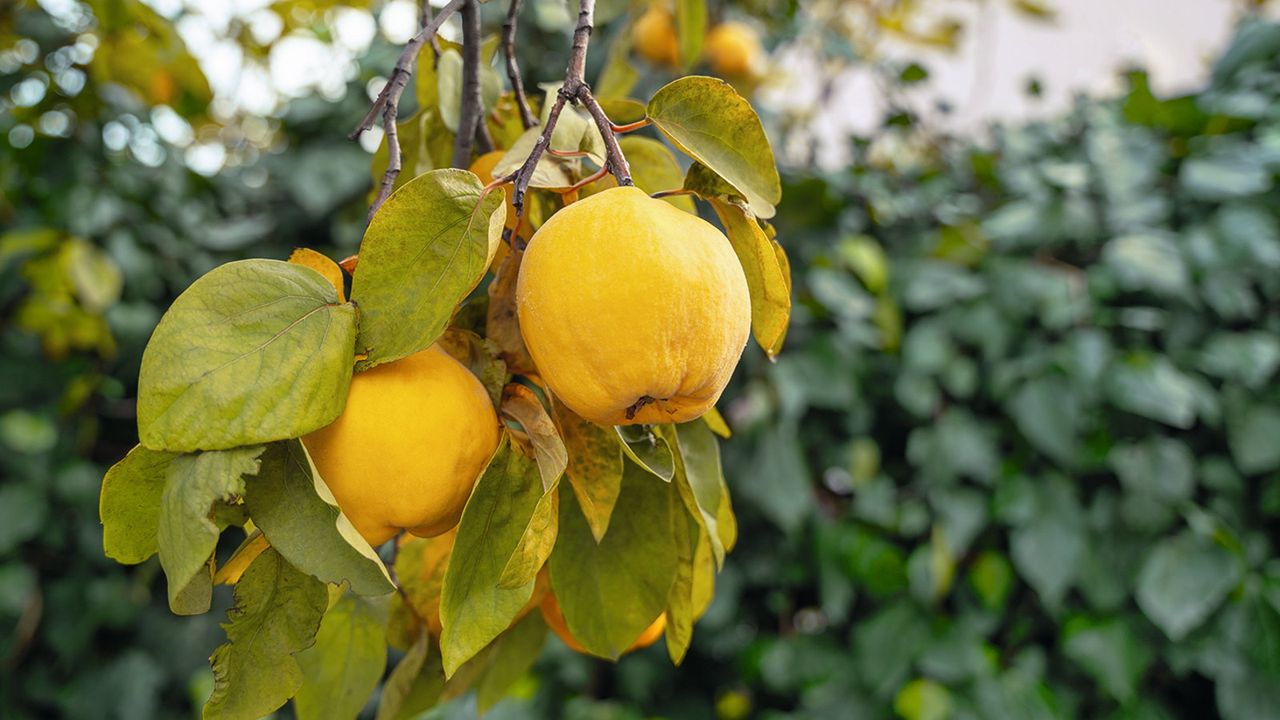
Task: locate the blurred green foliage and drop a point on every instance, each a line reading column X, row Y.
column 1020, row 456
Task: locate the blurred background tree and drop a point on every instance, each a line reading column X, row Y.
column 1018, row 459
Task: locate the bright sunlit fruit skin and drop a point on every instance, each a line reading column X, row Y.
column 634, row 311
column 733, row 50
column 408, row 447
column 555, row 620
column 653, row 35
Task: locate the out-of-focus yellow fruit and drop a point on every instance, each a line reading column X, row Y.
column 555, row 620
column 654, row 36
column 634, row 311
column 408, row 447
column 733, row 50
column 483, row 168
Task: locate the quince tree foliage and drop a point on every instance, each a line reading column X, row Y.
column 495, row 420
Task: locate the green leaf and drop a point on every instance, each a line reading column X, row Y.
column 1112, row 651
column 700, row 479
column 1047, row 412
column 129, row 506
column 618, row 76
column 343, row 668
column 1153, row 388
column 1048, row 550
column 611, row 591
column 648, row 449
column 400, row 685
column 654, row 169
column 474, row 608
column 253, row 351
column 449, row 88
column 290, row 504
column 1183, row 581
column 711, row 123
column 767, row 276
column 423, row 253
column 277, row 614
column 513, row 655
column 187, row 534
column 923, row 699
column 681, row 601
column 691, row 27
column 1252, row 438
column 595, row 467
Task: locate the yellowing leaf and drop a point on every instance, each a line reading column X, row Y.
column 611, row 591
column 520, row 404
column 421, row 564
column 424, row 251
column 502, row 324
column 129, row 505
column 277, row 613
column 254, row 351
column 343, row 668
column 308, row 258
column 691, row 26
column 480, row 355
column 249, row 550
column 715, row 421
column 767, row 279
column 618, row 76
column 710, row 122
column 536, row 541
column 595, row 467
column 474, row 609
column 699, row 478
column 680, row 610
column 654, row 169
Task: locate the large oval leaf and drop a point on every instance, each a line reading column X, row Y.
column 709, row 121
column 768, row 277
column 254, row 351
column 611, row 591
column 426, row 248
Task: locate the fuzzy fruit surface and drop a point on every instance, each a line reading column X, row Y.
column 654, row 36
column 634, row 311
column 555, row 620
column 733, row 49
column 408, row 447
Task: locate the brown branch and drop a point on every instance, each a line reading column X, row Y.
column 393, row 161
column 614, row 158
column 426, row 20
column 513, row 69
column 574, row 89
column 387, row 104
column 471, row 107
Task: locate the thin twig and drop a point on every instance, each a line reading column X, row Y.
column 670, row 193
column 433, row 42
column 614, row 158
column 574, row 89
column 387, row 104
column 513, row 68
column 393, row 161
column 471, row 108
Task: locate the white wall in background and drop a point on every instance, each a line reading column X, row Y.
column 1082, row 50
